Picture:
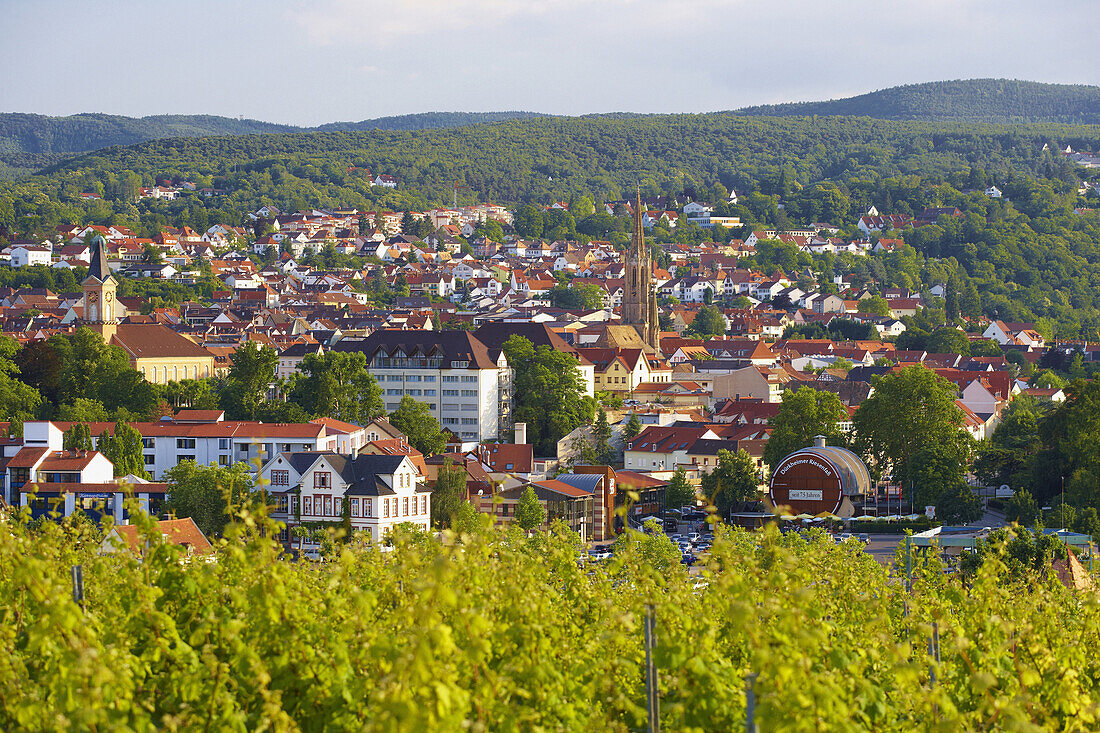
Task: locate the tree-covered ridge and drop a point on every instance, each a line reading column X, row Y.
column 550, row 158
column 967, row 100
column 30, row 141
column 428, row 121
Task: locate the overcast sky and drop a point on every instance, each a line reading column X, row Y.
column 307, row 63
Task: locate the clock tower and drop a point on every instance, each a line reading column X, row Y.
column 99, row 287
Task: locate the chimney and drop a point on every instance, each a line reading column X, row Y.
column 819, row 441
column 521, row 433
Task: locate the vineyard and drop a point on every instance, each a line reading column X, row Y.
column 491, row 630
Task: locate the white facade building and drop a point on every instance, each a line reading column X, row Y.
column 380, row 491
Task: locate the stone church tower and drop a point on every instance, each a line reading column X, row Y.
column 639, row 300
column 99, row 287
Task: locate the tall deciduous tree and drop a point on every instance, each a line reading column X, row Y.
column 733, row 480
column 449, row 494
column 415, row 420
column 549, row 394
column 124, row 450
column 802, row 415
column 679, row 492
column 338, row 385
column 530, row 513
column 206, row 493
column 709, row 321
column 78, row 438
column 910, row 409
column 246, row 385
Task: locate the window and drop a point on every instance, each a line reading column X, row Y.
column 148, row 442
column 429, row 393
column 468, row 380
column 429, row 377
column 370, row 507
column 386, row 508
column 185, row 443
column 450, row 379
column 460, row 365
column 223, row 460
column 149, row 460
column 412, row 377
column 413, row 392
column 469, row 421
column 450, row 393
column 405, row 507
column 322, row 479
column 328, row 505
column 469, row 393
column 223, row 443
column 280, row 478
column 355, row 506
column 424, row 504
column 393, row 392
column 307, row 505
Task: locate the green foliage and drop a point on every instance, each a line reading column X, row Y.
column 734, row 479
column 948, row 340
column 957, row 504
column 1022, row 508
column 124, row 450
column 709, row 321
column 530, row 513
column 803, row 415
column 447, row 635
column 18, row 401
column 210, row 495
column 88, row 368
column 974, row 100
column 632, row 428
column 245, row 388
column 580, row 297
column 875, row 304
column 679, row 492
column 649, row 552
column 910, row 410
column 548, row 393
column 415, row 420
column 78, row 438
column 1026, row 554
column 449, row 494
column 338, row 385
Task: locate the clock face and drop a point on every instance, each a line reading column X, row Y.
column 93, row 297
column 108, row 296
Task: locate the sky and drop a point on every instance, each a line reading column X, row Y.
column 307, row 63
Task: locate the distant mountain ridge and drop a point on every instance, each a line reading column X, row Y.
column 30, row 141
column 969, row 100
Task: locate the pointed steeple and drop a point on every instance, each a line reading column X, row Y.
column 98, row 268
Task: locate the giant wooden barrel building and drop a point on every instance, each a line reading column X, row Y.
column 819, row 479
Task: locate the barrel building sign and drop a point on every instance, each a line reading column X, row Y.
column 819, row 479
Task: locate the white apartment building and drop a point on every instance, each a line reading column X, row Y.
column 206, row 437
column 381, row 491
column 466, row 387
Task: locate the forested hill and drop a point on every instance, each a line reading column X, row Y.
column 971, row 100
column 428, row 121
column 29, row 142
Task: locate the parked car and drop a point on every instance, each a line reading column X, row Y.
column 599, row 553
column 864, row 538
column 688, row 559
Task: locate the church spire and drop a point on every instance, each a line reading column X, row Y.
column 98, row 267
